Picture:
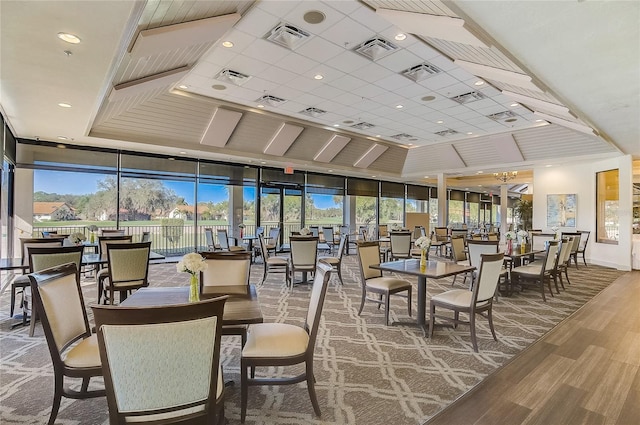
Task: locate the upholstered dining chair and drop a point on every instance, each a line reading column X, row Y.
column 471, row 302
column 162, row 364
column 21, row 282
column 336, row 261
column 41, row 258
column 273, row 242
column 577, row 237
column 561, row 263
column 375, row 283
column 400, row 245
column 272, row 263
column 539, row 272
column 223, row 240
column 209, row 241
column 304, row 255
column 283, row 344
column 582, row 246
column 459, row 255
column 128, row 269
column 103, row 241
column 57, row 297
column 227, row 273
column 329, row 238
column 112, row 232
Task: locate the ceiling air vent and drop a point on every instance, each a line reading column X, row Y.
column 232, row 76
column 468, row 97
column 403, row 137
column 362, row 126
column 287, row 36
column 498, row 116
column 313, row 112
column 421, row 72
column 375, row 48
column 270, row 100
column 445, row 133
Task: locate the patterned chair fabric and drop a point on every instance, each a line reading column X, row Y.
column 128, row 268
column 178, row 377
column 227, row 273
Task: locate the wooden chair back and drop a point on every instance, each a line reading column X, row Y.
column 227, row 273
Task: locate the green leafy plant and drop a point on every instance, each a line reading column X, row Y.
column 524, row 211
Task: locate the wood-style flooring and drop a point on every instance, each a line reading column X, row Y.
column 585, row 371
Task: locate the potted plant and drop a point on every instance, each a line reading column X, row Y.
column 524, row 211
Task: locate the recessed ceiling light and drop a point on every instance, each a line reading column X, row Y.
column 61, row 146
column 260, row 106
column 183, row 153
column 466, row 188
column 64, row 105
column 219, row 87
column 440, row 122
column 478, row 83
column 479, row 185
column 263, row 162
column 469, row 133
column 428, row 98
column 515, row 104
column 373, row 176
column 377, row 135
column 69, row 38
column 539, row 120
column 400, row 36
column 63, row 138
column 410, row 144
column 331, row 171
column 399, row 106
column 171, row 159
column 314, row 17
column 228, row 44
column 548, row 165
column 480, row 172
column 182, row 86
column 426, row 177
column 318, row 77
column 336, row 125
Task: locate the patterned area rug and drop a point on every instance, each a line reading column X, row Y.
column 367, row 373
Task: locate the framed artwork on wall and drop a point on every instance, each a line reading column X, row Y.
column 561, row 210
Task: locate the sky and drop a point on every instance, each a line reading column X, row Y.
column 64, row 182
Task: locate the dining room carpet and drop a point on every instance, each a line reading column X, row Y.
column 367, row 373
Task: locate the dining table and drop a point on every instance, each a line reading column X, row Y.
column 238, row 309
column 433, row 269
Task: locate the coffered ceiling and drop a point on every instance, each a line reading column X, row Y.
column 401, row 90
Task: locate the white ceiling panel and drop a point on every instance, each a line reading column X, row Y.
column 319, row 50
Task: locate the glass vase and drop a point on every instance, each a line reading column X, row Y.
column 523, row 247
column 423, row 259
column 509, row 246
column 194, row 289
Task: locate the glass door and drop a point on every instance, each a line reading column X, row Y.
column 281, row 206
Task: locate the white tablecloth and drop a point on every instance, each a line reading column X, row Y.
column 635, row 252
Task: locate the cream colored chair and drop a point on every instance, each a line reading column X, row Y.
column 57, row 297
column 304, row 256
column 21, row 282
column 400, row 245
column 223, row 241
column 479, row 300
column 539, row 272
column 41, row 258
column 128, row 269
column 563, row 259
column 282, row 344
column 272, row 263
column 459, row 255
column 103, row 274
column 373, row 281
column 162, row 364
column 336, row 262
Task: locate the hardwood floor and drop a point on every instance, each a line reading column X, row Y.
column 585, row 371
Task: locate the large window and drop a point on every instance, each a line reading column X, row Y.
column 324, row 200
column 391, row 204
column 607, row 200
column 456, row 208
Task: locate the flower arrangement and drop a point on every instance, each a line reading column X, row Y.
column 510, row 235
column 77, row 237
column 241, row 226
column 192, row 263
column 304, row 231
column 523, row 234
column 423, row 243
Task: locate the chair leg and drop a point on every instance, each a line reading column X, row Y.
column 432, row 318
column 409, row 302
column 386, row 308
column 34, row 318
column 584, row 260
column 548, row 284
column 490, row 319
column 311, row 387
column 456, row 317
column 566, row 274
column 57, row 397
column 472, row 325
column 244, row 390
column 555, row 282
column 13, row 299
column 264, row 274
column 340, row 274
column 364, row 296
column 574, row 256
column 544, row 298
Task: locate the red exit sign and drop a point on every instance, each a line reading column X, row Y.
column 288, row 170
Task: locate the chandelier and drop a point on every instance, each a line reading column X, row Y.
column 505, row 176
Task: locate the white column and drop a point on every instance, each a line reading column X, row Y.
column 504, row 199
column 443, row 212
